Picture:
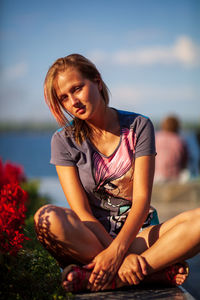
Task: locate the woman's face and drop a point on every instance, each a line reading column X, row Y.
column 78, row 95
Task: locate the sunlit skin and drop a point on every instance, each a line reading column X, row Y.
column 80, row 96
column 131, row 256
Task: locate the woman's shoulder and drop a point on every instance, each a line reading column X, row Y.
column 62, row 135
column 63, row 138
column 143, row 130
column 132, row 119
column 59, row 134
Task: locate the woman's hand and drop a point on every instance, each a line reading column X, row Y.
column 133, row 269
column 105, row 266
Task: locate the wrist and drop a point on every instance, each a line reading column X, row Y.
column 119, row 248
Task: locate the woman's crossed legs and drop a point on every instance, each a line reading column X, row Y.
column 70, row 241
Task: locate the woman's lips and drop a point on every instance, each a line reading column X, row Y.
column 80, row 110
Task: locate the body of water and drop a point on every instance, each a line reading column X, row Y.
column 31, row 150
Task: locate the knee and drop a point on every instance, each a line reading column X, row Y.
column 190, row 215
column 194, row 223
column 41, row 213
column 196, row 218
column 196, row 213
column 51, row 218
column 41, row 219
column 38, row 214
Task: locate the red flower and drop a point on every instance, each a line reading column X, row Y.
column 11, row 173
column 12, row 208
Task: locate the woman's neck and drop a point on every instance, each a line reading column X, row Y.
column 107, row 127
column 105, row 121
column 106, row 137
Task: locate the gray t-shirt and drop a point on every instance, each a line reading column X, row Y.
column 108, row 181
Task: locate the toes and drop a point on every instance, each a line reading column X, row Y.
column 180, row 278
column 181, row 270
column 75, row 280
column 67, row 285
column 64, row 283
column 71, row 276
column 180, row 281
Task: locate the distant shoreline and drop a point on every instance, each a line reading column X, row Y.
column 52, row 126
column 28, row 127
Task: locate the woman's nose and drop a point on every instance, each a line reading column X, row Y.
column 74, row 100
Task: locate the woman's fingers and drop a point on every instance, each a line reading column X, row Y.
column 89, row 266
column 98, row 280
column 93, row 277
column 101, row 277
column 108, row 280
column 143, row 265
column 133, row 270
column 137, row 271
column 140, row 269
column 130, row 278
column 96, row 276
column 133, row 279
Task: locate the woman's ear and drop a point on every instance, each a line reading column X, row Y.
column 99, row 82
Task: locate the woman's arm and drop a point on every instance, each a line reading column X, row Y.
column 142, row 188
column 77, row 199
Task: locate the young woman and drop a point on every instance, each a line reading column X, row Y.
column 105, row 162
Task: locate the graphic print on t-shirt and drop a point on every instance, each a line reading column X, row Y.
column 114, row 179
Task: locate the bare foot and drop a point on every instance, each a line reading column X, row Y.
column 178, row 273
column 75, row 279
column 171, row 276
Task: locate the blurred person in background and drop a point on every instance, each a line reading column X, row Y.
column 198, row 143
column 172, row 152
column 192, row 139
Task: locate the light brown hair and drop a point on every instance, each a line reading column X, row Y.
column 87, row 69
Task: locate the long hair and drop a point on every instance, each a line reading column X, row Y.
column 87, row 69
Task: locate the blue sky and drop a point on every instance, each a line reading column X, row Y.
column 148, row 52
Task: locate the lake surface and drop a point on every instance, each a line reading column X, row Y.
column 32, row 150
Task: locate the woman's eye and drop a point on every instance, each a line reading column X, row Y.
column 77, row 88
column 63, row 98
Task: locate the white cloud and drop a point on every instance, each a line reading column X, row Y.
column 184, row 52
column 15, row 71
